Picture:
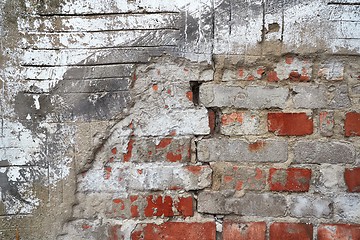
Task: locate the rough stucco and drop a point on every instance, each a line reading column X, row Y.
column 81, row 78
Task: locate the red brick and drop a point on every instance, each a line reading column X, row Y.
column 290, row 124
column 175, row 231
column 291, row 179
column 291, row 231
column 338, row 232
column 244, row 231
column 352, row 179
column 352, row 124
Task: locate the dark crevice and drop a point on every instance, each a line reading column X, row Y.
column 344, row 3
column 195, row 88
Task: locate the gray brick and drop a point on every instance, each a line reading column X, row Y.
column 347, row 207
column 237, row 150
column 339, row 97
column 310, row 206
column 254, row 97
column 213, row 202
column 323, row 152
column 254, row 204
column 310, row 97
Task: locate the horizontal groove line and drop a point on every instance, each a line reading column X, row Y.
column 84, row 65
column 97, row 79
column 156, row 48
column 42, row 79
column 99, row 31
column 98, row 48
column 92, row 92
column 105, row 14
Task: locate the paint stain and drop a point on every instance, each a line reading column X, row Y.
column 256, row 146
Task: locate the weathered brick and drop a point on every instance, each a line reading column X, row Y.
column 290, row 180
column 167, row 149
column 235, row 177
column 294, row 231
column 188, row 178
column 339, row 96
column 323, row 152
column 352, row 124
column 243, row 74
column 242, row 123
column 330, row 178
column 346, row 207
column 115, row 233
column 326, row 123
column 237, row 150
column 293, row 69
column 310, row 97
column 141, row 206
column 290, row 124
column 338, row 231
column 310, row 206
column 244, row 231
column 175, row 230
column 183, row 122
column 352, row 179
column 258, row 204
column 251, row 97
column 146, row 177
column 332, row 70
column 213, row 202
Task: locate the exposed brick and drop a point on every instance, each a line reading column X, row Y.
column 237, row 150
column 251, row 97
column 352, row 179
column 310, row 97
column 293, row 231
column 338, row 231
column 326, row 123
column 257, row 204
column 244, row 231
column 142, row 206
column 323, row 152
column 310, row 206
column 290, row 124
column 212, row 121
column 290, row 180
column 352, row 124
column 235, row 177
column 175, row 231
column 242, row 123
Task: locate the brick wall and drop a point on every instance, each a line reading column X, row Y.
column 211, row 119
